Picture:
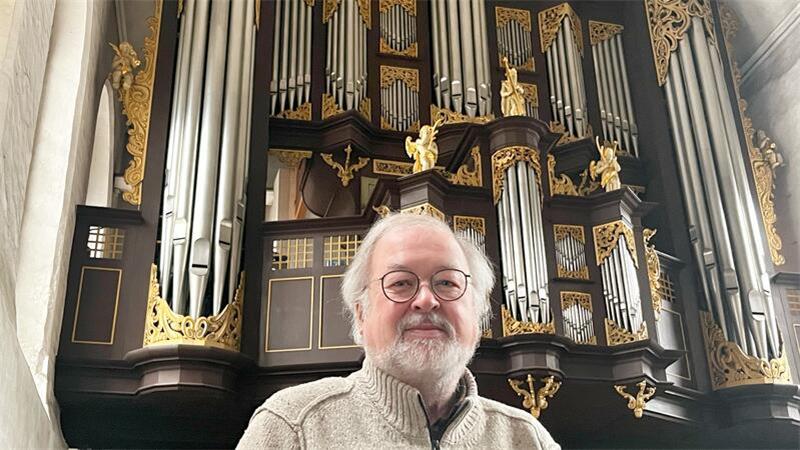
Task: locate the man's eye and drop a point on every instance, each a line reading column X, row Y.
column 401, row 283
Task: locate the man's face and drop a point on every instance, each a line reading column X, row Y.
column 423, row 320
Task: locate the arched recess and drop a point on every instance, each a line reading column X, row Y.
column 100, row 190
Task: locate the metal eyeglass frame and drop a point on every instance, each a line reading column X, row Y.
column 419, row 283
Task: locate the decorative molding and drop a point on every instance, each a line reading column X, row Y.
column 382, row 210
column 730, row 366
column 566, row 138
column 409, row 52
column 328, row 8
column 606, row 237
column 425, row 209
column 507, row 157
column 365, row 11
column 390, row 74
column 535, row 401
column 408, row 5
column 653, row 270
column 638, row 403
column 163, row 326
column 475, row 223
column 466, row 177
column 290, row 158
column 563, row 185
column 616, row 335
column 550, row 22
column 451, row 117
column 345, row 172
column 602, row 31
column 394, row 168
column 329, row 106
column 135, row 92
column 303, row 112
column 668, row 21
column 576, row 232
column 531, row 93
column 365, row 108
column 513, row 327
column 505, row 15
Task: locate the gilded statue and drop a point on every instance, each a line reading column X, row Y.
column 124, row 62
column 512, row 103
column 608, row 168
column 424, row 150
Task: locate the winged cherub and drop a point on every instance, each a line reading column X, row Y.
column 424, row 150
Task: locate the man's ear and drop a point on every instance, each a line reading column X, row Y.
column 359, row 314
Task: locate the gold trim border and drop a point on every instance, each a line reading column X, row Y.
column 321, row 307
column 78, row 306
column 310, row 316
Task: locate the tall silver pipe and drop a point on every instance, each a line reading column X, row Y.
column 468, row 52
column 531, row 272
column 627, row 90
column 517, row 245
column 600, row 90
column 572, row 76
column 564, row 83
column 291, row 46
column 456, row 93
column 301, row 57
column 283, row 83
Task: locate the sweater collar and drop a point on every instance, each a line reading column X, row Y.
column 401, row 404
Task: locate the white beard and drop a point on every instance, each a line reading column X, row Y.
column 433, row 366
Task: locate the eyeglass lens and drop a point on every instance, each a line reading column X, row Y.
column 402, row 285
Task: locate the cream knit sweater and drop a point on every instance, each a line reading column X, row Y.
column 371, row 409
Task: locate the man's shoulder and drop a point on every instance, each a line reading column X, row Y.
column 498, row 409
column 294, row 403
column 515, row 423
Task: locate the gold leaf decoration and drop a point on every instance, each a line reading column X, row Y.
column 408, row 5
column 163, row 326
column 394, row 168
column 461, row 223
column 390, row 74
column 382, row 210
column 345, row 172
column 653, row 271
column 364, row 12
column 638, row 403
column 550, row 22
column 451, row 117
column 561, row 232
column 466, row 177
column 616, row 335
column 606, row 237
column 290, row 158
column 328, row 8
column 303, row 112
column 535, row 401
column 507, row 157
column 409, row 52
column 505, row 15
column 365, row 108
column 329, row 106
column 602, row 31
column 512, row 326
column 730, row 366
column 531, row 94
column 425, row 209
column 566, row 138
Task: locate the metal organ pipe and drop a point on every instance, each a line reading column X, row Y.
column 346, row 55
column 291, row 58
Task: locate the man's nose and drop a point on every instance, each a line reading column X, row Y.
column 425, row 300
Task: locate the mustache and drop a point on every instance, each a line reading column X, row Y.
column 412, row 320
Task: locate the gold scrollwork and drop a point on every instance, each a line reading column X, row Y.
column 328, row 8
column 535, row 401
column 583, row 300
column 602, row 31
column 390, row 74
column 408, row 5
column 425, row 209
column 550, row 22
column 364, row 11
column 163, row 326
column 638, row 403
column 513, row 327
column 136, row 95
column 345, row 172
column 531, row 94
column 329, row 106
column 410, row 51
column 507, row 157
column 668, row 21
column 505, row 15
column 561, row 232
column 382, row 210
column 290, row 158
column 616, row 335
column 451, row 117
column 394, row 168
column 475, row 223
column 730, row 366
column 466, row 177
column 606, row 237
column 365, row 108
column 566, row 138
column 303, row 112
column 563, row 185
column 653, row 270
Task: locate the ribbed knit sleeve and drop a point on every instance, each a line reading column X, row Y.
column 268, row 430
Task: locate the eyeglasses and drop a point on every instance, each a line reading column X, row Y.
column 401, row 286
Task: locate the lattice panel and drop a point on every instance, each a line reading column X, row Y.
column 292, row 253
column 339, row 250
column 105, row 242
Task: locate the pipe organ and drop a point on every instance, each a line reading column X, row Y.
column 576, row 308
column 514, row 37
column 561, row 40
column 290, row 87
column 613, row 92
column 519, row 216
column 398, row 28
column 399, row 98
column 570, row 249
column 461, row 67
column 346, row 53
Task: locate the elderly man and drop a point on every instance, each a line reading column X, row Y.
column 416, row 295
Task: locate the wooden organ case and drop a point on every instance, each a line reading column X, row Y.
column 601, row 325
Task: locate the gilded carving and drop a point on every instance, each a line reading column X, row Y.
column 730, row 366
column 505, row 15
column 607, row 167
column 512, row 102
column 394, row 168
column 329, row 106
column 531, row 93
column 409, row 5
column 382, row 210
column 290, row 158
column 507, row 157
column 136, row 95
column 563, row 185
column 616, row 335
column 606, row 237
column 425, row 209
column 561, row 232
column 365, row 108
column 582, row 300
column 550, row 22
column 566, row 138
column 364, row 12
column 535, row 401
column 602, row 31
column 328, row 8
column 303, row 112
column 345, row 172
column 512, row 326
column 653, row 270
column 424, row 150
column 451, row 117
column 637, row 403
column 163, row 326
column 466, row 177
column 390, row 74
column 668, row 21
column 477, row 224
column 410, row 51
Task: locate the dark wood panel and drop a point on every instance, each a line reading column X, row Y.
column 290, row 304
column 96, row 309
column 333, row 324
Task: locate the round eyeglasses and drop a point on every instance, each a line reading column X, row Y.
column 401, row 286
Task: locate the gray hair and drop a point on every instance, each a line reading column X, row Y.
column 356, row 280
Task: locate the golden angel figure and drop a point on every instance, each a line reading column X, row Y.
column 608, row 168
column 424, row 150
column 512, row 103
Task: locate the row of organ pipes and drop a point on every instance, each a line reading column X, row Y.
column 514, row 42
column 578, row 323
column 205, row 178
column 522, row 247
column 565, row 78
column 290, row 86
column 571, row 254
column 613, row 91
column 621, row 288
column 346, row 55
column 398, row 27
column 400, row 106
column 461, row 67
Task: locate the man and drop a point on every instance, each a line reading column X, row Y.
column 416, row 295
